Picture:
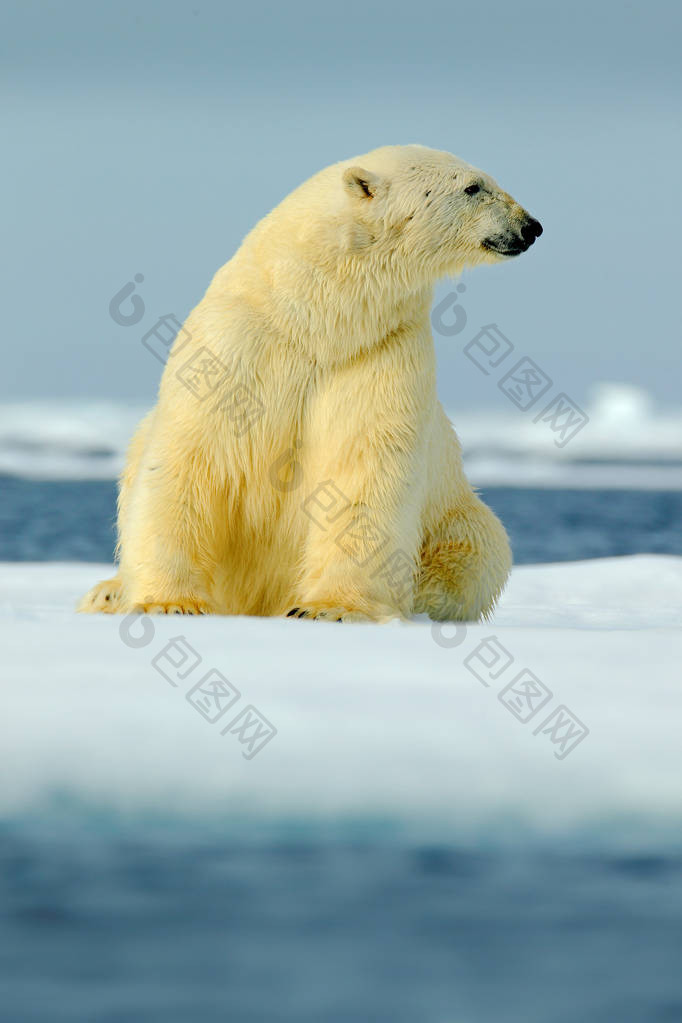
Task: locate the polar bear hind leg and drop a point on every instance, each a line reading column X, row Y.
column 465, row 563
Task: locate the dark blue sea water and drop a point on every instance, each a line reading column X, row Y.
column 122, row 920
column 124, row 923
column 58, row 521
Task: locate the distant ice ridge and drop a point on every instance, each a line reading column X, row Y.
column 626, row 443
column 66, row 440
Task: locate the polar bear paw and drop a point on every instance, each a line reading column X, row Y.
column 105, row 598
column 175, row 607
column 334, row 614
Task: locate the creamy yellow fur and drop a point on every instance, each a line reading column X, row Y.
column 323, row 314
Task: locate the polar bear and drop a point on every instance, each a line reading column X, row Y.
column 298, row 461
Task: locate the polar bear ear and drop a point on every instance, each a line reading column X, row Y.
column 360, row 183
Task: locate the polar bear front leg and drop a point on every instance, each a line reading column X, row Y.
column 165, row 537
column 361, row 513
column 356, row 571
column 362, row 547
column 108, row 597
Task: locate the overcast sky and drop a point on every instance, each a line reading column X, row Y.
column 147, row 138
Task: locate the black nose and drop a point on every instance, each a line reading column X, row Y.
column 531, row 230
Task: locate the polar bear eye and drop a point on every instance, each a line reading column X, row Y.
column 472, row 189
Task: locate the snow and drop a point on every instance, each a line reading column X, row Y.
column 372, row 721
column 627, row 442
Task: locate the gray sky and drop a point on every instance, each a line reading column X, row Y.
column 149, row 137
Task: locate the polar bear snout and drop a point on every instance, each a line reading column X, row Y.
column 514, row 240
column 531, row 230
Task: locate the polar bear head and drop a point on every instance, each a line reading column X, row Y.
column 427, row 213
